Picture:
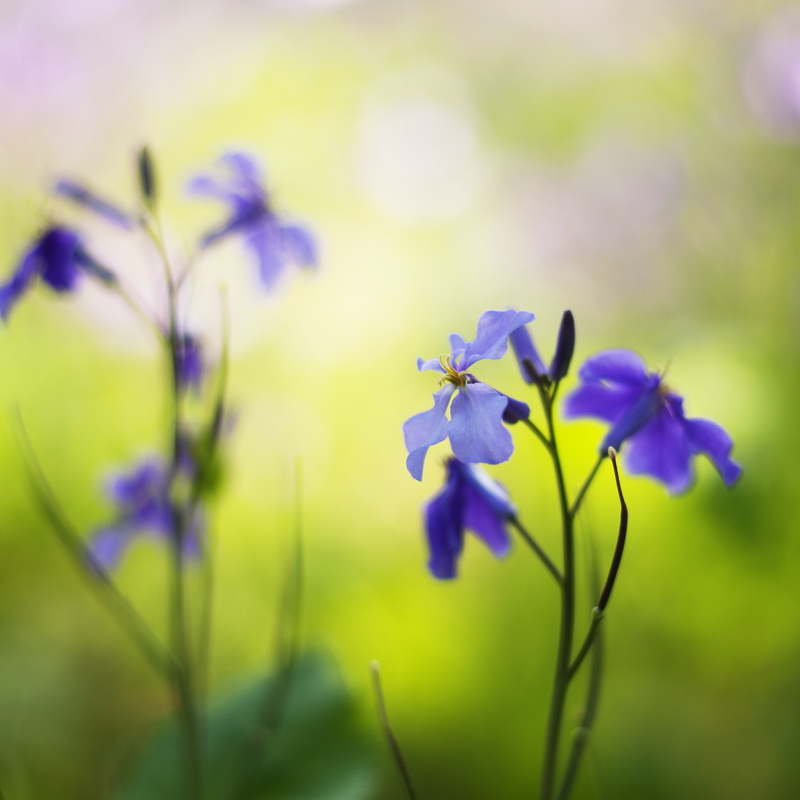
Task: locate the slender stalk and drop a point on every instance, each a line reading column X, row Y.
column 394, row 745
column 536, row 547
column 587, row 718
column 538, row 432
column 183, row 675
column 567, row 627
column 99, row 580
column 599, row 611
column 576, row 504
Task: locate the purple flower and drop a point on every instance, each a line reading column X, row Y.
column 274, row 243
column 88, row 199
column 58, row 257
column 143, row 506
column 477, row 413
column 189, row 361
column 470, row 500
column 643, row 411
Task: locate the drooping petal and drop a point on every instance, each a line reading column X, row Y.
column 426, row 429
column 530, row 362
column 493, row 493
column 491, row 340
column 476, row 429
column 298, row 245
column 618, row 366
column 444, row 530
column 600, row 401
column 482, row 519
column 88, row 199
column 108, row 545
column 635, row 416
column 713, row 441
column 264, row 244
column 662, row 450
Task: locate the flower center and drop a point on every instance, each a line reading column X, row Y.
column 451, row 374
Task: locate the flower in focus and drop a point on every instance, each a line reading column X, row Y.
column 661, row 442
column 274, row 243
column 477, row 413
column 530, row 362
column 58, row 257
column 470, row 500
column 143, row 507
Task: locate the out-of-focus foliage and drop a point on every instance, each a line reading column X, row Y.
column 625, row 162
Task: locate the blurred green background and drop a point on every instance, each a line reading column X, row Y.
column 637, row 163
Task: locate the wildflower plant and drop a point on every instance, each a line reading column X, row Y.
column 218, row 747
column 647, row 425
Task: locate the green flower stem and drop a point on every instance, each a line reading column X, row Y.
column 581, row 736
column 536, row 547
column 99, row 580
column 183, row 677
column 567, row 627
column 599, row 611
column 576, row 504
column 397, row 753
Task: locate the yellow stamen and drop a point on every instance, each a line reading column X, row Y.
column 451, row 374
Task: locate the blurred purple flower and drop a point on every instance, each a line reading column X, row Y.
column 189, row 362
column 470, row 500
column 88, row 199
column 475, row 427
column 58, row 257
column 618, row 389
column 274, row 243
column 143, row 507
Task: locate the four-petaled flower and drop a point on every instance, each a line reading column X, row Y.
column 661, row 442
column 143, row 506
column 274, row 243
column 477, row 413
column 470, row 500
column 59, row 258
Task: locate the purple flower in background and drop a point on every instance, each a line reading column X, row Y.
column 274, row 243
column 470, row 500
column 58, row 257
column 477, row 413
column 189, row 362
column 617, row 388
column 88, row 199
column 143, row 507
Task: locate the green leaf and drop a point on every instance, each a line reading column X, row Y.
column 291, row 736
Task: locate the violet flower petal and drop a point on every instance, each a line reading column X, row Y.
column 476, row 428
column 491, row 340
column 530, row 362
column 426, row 429
column 713, row 441
column 619, row 366
column 662, row 450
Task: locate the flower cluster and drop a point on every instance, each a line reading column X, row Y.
column 644, row 415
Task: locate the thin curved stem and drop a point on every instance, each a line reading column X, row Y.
column 539, row 435
column 99, row 580
column 537, row 548
column 576, row 504
column 397, row 753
